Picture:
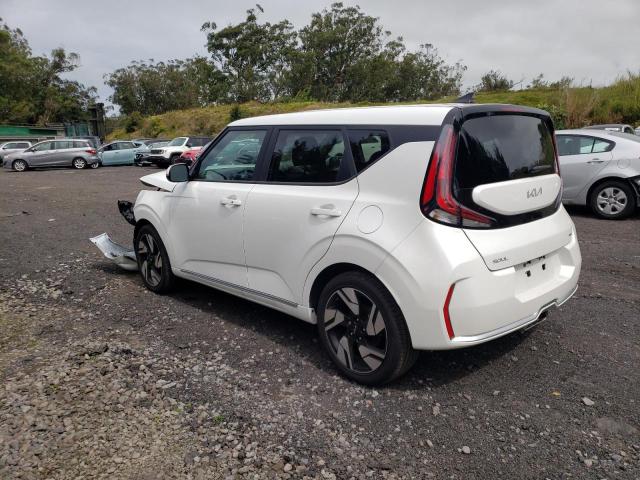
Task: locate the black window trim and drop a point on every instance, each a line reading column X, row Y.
column 611, row 143
column 218, row 138
column 428, row 133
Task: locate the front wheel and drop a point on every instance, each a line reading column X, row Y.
column 95, row 165
column 79, row 163
column 153, row 260
column 613, row 200
column 363, row 330
column 19, row 165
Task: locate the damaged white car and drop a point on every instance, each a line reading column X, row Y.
column 394, row 229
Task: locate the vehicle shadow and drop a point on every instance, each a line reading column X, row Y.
column 300, row 338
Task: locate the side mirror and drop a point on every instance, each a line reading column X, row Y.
column 178, row 172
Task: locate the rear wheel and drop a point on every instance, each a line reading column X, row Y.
column 19, row 165
column 613, row 200
column 153, row 260
column 79, row 163
column 363, row 330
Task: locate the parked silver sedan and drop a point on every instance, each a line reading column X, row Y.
column 54, row 153
column 11, row 147
column 600, row 169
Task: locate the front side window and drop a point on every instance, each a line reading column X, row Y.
column 41, row 147
column 308, row 156
column 233, row 158
column 367, row 146
column 10, row 145
column 177, row 142
column 22, row 145
column 125, row 145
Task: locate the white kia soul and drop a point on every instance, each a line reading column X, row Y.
column 394, row 229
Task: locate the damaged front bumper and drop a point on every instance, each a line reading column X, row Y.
column 122, row 256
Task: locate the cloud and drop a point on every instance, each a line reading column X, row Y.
column 583, row 39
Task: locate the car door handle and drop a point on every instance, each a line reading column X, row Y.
column 234, row 202
column 596, row 160
column 327, row 212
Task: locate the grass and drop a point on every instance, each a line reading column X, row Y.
column 571, row 107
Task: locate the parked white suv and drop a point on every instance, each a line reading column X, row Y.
column 170, row 153
column 395, row 229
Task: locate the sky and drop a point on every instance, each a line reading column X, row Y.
column 590, row 40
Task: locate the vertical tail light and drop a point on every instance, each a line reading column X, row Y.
column 437, row 201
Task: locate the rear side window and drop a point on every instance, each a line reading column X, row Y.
column 22, row 145
column 77, row 144
column 581, row 145
column 308, row 156
column 498, row 148
column 63, row 145
column 367, row 146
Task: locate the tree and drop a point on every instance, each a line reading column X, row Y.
column 494, row 81
column 153, row 88
column 254, row 57
column 32, row 89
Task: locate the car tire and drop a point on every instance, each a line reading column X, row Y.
column 95, row 165
column 174, row 158
column 613, row 200
column 79, row 163
column 19, row 165
column 153, row 260
column 363, row 330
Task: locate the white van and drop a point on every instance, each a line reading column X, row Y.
column 394, row 229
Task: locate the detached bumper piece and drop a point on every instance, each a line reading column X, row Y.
column 122, row 256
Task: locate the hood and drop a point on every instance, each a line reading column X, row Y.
column 159, row 180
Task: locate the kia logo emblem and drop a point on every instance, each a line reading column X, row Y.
column 534, row 192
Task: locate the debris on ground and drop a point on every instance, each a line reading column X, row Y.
column 122, row 256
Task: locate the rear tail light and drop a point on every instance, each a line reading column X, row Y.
column 91, row 151
column 437, row 201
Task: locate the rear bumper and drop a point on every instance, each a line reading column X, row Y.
column 484, row 304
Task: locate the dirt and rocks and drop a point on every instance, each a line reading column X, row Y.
column 102, row 379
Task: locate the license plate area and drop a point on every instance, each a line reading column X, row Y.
column 533, row 268
column 537, row 275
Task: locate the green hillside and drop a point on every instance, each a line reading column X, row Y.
column 570, row 107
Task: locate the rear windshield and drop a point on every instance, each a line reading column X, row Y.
column 498, row 148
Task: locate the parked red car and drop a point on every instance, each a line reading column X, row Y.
column 189, row 157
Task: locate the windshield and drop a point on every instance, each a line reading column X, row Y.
column 177, row 142
column 158, row 144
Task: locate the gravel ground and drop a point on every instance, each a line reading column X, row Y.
column 101, row 378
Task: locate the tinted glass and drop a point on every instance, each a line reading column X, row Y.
column 502, row 147
column 22, row 145
column 307, row 156
column 61, row 145
column 43, row 146
column 367, row 146
column 233, row 158
column 600, row 146
column 198, row 142
column 574, row 145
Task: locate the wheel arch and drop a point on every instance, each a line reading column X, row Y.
column 327, row 274
column 611, row 178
